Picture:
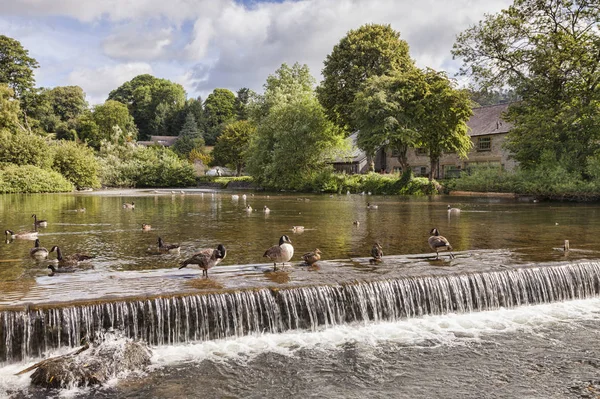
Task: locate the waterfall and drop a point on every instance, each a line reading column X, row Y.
column 168, row 320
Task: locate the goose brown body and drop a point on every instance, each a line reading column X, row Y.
column 36, row 222
column 167, row 248
column 312, row 257
column 70, row 260
column 38, row 252
column 25, row 235
column 377, row 252
column 127, row 205
column 280, row 253
column 206, row 258
column 439, row 243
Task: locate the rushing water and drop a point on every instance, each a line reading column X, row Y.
column 367, row 323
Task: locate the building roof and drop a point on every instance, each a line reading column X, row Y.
column 355, row 154
column 166, row 141
column 488, row 120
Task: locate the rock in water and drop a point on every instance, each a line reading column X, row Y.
column 92, row 366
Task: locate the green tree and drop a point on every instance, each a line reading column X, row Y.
column 9, row 109
column 547, row 51
column 219, row 108
column 294, row 138
column 367, row 51
column 232, row 145
column 114, row 123
column 154, row 104
column 242, row 101
column 443, row 121
column 56, row 110
column 189, row 137
column 24, row 148
column 16, row 66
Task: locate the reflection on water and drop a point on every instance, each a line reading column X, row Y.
column 202, row 220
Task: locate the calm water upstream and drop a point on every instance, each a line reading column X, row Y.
column 542, row 351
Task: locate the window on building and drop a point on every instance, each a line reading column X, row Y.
column 423, row 171
column 395, row 152
column 484, row 144
column 451, row 171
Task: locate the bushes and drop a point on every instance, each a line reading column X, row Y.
column 77, row 163
column 132, row 166
column 25, row 149
column 31, row 179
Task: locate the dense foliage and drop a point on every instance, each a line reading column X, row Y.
column 77, row 163
column 547, row 51
column 31, row 179
column 371, row 50
column 232, row 146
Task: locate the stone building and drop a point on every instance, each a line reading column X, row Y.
column 488, row 133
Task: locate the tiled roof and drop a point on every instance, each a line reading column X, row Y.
column 355, row 154
column 488, row 120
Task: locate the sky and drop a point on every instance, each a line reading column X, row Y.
column 208, row 44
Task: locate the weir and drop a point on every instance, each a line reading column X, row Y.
column 29, row 331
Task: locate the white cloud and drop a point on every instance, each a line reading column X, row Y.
column 206, row 44
column 98, row 82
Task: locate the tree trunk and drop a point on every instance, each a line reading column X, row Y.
column 238, row 170
column 433, row 167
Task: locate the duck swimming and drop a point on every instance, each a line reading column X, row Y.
column 167, row 248
column 71, row 260
column 38, row 252
column 25, row 235
column 39, row 223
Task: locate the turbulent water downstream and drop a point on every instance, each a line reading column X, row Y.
column 511, row 316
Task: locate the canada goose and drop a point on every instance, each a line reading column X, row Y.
column 297, row 229
column 376, row 252
column 266, row 209
column 71, row 260
column 371, row 206
column 235, row 197
column 39, row 223
column 248, row 208
column 312, row 257
column 127, row 205
column 38, row 252
column 80, row 210
column 25, row 235
column 54, row 270
column 244, row 197
column 453, row 210
column 280, row 253
column 206, row 258
column 146, row 227
column 167, row 248
column 439, row 243
column 356, row 223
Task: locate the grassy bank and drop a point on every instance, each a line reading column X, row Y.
column 375, row 183
column 545, row 183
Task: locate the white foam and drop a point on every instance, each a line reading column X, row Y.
column 450, row 329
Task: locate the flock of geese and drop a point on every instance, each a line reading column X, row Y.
column 210, row 257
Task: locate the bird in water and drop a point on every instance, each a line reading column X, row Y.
column 26, row 235
column 312, row 257
column 39, row 223
column 146, row 227
column 38, row 252
column 356, row 223
column 248, row 208
column 453, row 210
column 376, row 252
column 297, row 229
column 280, row 253
column 71, row 260
column 167, row 248
column 127, row 205
column 266, row 209
column 206, row 258
column 371, row 206
column 439, row 243
column 54, row 270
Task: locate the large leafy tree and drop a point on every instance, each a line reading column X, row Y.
column 154, row 104
column 9, row 110
column 367, row 51
column 219, row 108
column 16, row 66
column 232, row 145
column 294, row 136
column 549, row 53
column 413, row 108
column 57, row 110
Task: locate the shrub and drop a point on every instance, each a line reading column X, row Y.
column 77, row 163
column 25, row 149
column 31, row 179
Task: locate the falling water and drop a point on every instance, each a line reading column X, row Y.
column 163, row 321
